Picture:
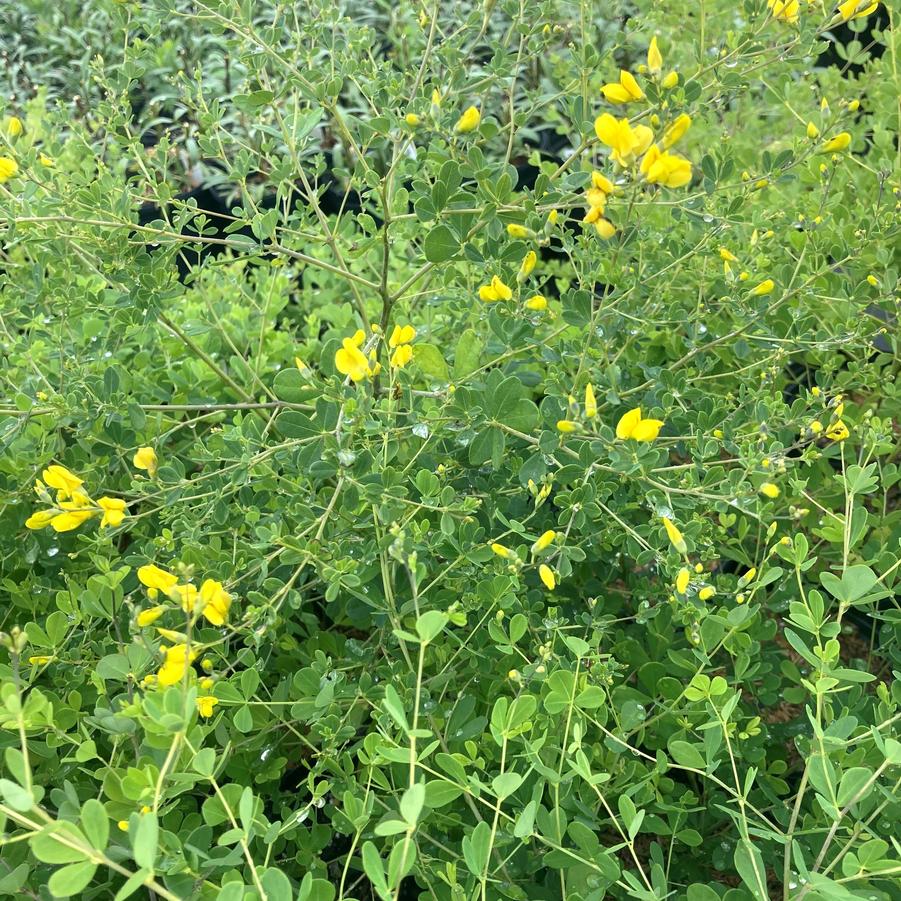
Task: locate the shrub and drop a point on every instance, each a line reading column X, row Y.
column 450, row 451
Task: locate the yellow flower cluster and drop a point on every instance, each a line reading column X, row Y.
column 498, row 290
column 630, row 143
column 400, row 343
column 350, row 360
column 596, row 198
column 788, row 11
column 212, row 601
column 72, row 505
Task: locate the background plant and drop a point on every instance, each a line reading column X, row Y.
column 210, row 197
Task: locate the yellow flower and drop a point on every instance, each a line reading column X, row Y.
column 401, row 356
column 40, row 519
column 837, row 144
column 495, row 290
column 536, row 302
column 153, row 577
column 853, row 106
column 765, row 287
column 546, row 574
column 660, row 167
column 604, row 227
column 655, row 57
column 768, row 489
column 625, row 142
column 812, row 131
column 206, row 684
column 72, row 519
column 600, row 182
column 676, row 130
column 632, row 426
column 40, row 659
column 205, row 705
column 65, row 482
column 401, row 334
column 14, row 126
column 527, row 265
column 675, row 536
column 501, row 551
column 682, row 580
column 872, row 281
column 45, row 160
column 837, row 431
column 747, row 577
column 351, row 361
column 145, row 458
column 150, row 615
column 727, row 256
column 544, row 541
column 469, row 121
column 670, row 80
column 186, row 595
column 519, row 231
column 123, row 825
column 706, row 593
column 178, row 659
column 216, row 602
column 566, row 426
column 114, row 511
column 8, row 168
column 591, row 404
column 436, row 98
column 626, row 91
column 785, row 10
column 411, row 119
column 856, row 9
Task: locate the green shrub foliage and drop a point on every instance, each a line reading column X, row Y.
column 450, row 450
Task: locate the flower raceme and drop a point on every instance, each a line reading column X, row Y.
column 213, row 599
column 624, row 91
column 625, row 142
column 399, row 342
column 633, row 427
column 73, row 506
column 352, row 362
column 495, row 290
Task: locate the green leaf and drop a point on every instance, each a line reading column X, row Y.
column 505, row 785
column 52, row 843
column 855, row 582
column 468, row 354
column 438, row 793
column 477, row 847
column 431, row 362
column 430, row 625
column 72, row 879
column 411, row 803
column 204, row 761
column 291, row 386
column 277, row 885
column 17, row 797
column 95, row 823
column 852, row 783
column 144, row 838
column 749, row 864
column 440, row 244
column 686, row 754
column 375, row 869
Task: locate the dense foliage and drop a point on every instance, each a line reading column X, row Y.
column 450, row 450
